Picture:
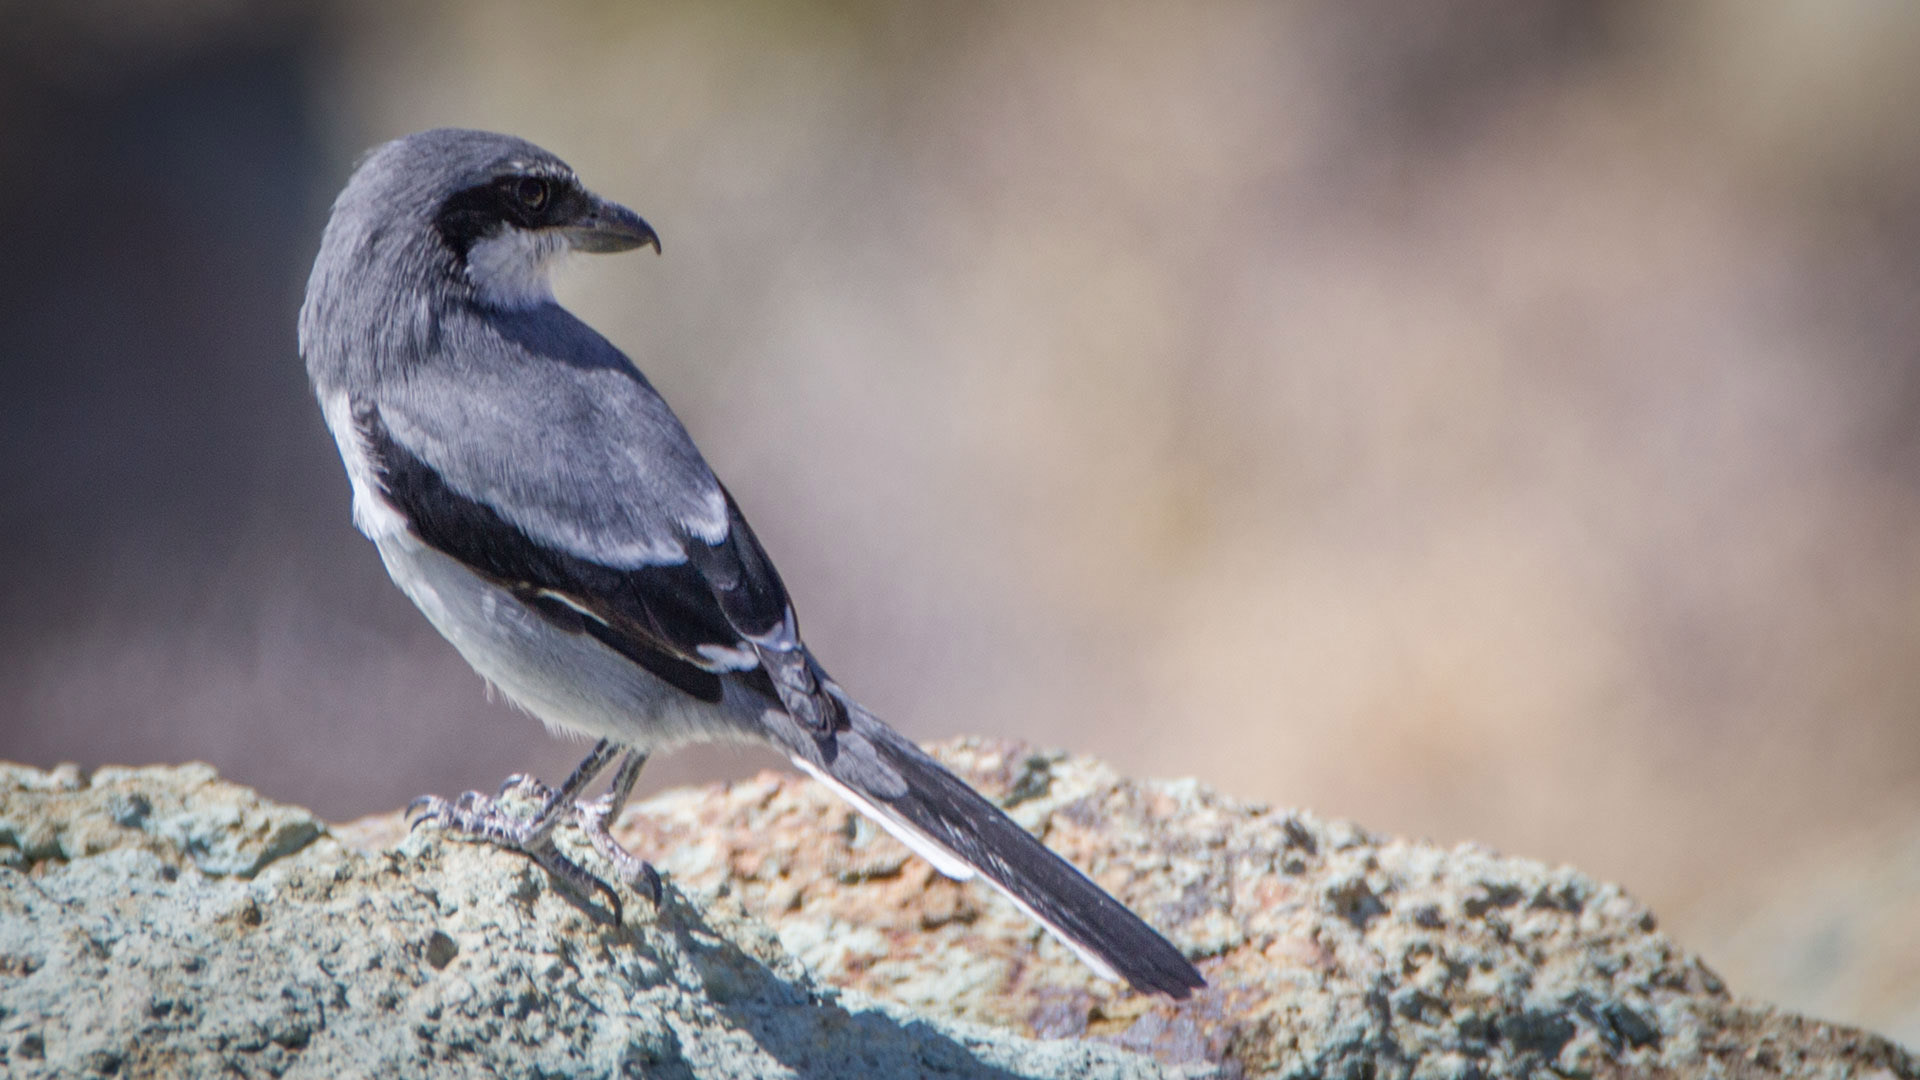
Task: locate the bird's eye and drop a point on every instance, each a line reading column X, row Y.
column 532, row 193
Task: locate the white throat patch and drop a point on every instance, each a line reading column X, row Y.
column 512, row 268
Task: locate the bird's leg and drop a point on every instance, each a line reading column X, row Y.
column 481, row 818
column 596, row 816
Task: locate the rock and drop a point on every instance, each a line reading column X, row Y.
column 160, row 922
column 157, row 922
column 1328, row 951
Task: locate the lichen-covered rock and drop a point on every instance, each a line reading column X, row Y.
column 797, row 940
column 221, row 829
column 1328, row 951
column 194, row 938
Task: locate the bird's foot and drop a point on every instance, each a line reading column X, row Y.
column 594, row 817
column 477, row 817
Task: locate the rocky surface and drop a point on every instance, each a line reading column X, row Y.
column 161, row 922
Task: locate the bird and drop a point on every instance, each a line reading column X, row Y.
column 539, row 502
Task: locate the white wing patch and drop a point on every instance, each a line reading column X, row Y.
column 712, row 525
column 782, row 638
column 728, row 659
column 568, row 601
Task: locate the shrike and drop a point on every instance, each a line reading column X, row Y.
column 545, row 509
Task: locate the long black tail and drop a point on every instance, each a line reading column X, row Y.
column 936, row 814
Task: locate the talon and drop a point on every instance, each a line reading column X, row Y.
column 422, row 809
column 649, row 879
column 613, row 901
column 635, row 871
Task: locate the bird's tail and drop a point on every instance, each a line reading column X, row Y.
column 936, row 814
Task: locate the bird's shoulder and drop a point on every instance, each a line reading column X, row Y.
column 538, row 418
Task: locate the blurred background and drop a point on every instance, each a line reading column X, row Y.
column 1488, row 421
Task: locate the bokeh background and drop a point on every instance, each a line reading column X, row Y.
column 1488, row 420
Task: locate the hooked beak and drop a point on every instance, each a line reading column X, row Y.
column 608, row 227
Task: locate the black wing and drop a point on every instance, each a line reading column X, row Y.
column 721, row 610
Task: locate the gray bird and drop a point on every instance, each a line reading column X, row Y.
column 547, row 512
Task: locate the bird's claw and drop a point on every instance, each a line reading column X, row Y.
column 425, row 808
column 523, row 784
column 635, row 871
column 477, row 817
column 650, row 881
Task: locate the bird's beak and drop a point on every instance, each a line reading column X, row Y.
column 608, row 227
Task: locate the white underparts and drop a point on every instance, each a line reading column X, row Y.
column 373, row 515
column 513, row 268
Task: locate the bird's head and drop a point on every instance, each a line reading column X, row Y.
column 473, row 210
